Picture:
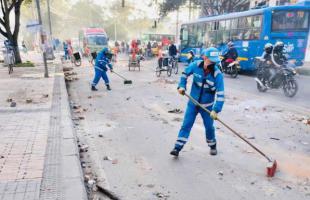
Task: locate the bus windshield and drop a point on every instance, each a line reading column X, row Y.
column 290, row 21
column 97, row 40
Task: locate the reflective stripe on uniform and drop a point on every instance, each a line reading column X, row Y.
column 220, row 99
column 199, row 84
column 179, row 143
column 210, row 82
column 213, row 88
column 220, row 92
column 98, row 68
column 211, row 143
column 207, row 104
column 182, row 139
column 217, row 72
column 184, row 76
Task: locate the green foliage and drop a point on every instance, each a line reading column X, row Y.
column 208, row 7
column 25, row 64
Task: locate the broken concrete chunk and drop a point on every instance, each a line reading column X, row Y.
column 107, row 158
column 13, row 104
column 176, row 110
column 220, row 173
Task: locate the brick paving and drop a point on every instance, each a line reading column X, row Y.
column 31, row 159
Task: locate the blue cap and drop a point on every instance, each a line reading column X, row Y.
column 212, row 54
column 105, row 50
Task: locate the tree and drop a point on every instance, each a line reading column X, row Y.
column 7, row 6
column 208, row 7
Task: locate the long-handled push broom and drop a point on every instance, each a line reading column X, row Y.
column 126, row 81
column 272, row 164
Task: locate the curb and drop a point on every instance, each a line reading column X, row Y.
column 73, row 177
column 303, row 71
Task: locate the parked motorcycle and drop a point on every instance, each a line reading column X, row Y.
column 284, row 78
column 232, row 68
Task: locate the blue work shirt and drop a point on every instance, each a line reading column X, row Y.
column 207, row 89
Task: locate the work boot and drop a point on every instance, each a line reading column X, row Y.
column 175, row 152
column 108, row 87
column 213, row 150
column 93, row 88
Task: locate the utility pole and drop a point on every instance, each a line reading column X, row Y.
column 42, row 39
column 190, row 10
column 49, row 19
column 177, row 29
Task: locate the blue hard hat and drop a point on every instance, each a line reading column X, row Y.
column 212, row 54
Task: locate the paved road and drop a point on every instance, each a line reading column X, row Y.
column 138, row 133
column 247, row 84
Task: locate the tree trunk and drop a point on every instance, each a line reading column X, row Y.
column 16, row 32
column 16, row 51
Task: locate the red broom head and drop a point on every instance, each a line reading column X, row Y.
column 271, row 168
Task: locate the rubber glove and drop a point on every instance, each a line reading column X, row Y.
column 213, row 115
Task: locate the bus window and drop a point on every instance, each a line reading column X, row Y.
column 210, row 38
column 222, row 25
column 227, row 24
column 208, row 26
column 234, row 23
column 97, row 40
column 192, row 35
column 200, row 33
column 257, row 21
column 184, row 35
column 290, row 21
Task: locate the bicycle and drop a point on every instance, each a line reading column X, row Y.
column 174, row 64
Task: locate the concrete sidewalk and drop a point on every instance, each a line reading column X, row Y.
column 38, row 153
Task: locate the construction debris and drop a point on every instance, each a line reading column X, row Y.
column 176, row 110
column 274, row 138
column 13, row 104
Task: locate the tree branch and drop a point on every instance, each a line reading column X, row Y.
column 14, row 2
column 17, row 18
column 3, row 33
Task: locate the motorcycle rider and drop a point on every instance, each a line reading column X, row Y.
column 208, row 89
column 279, row 54
column 231, row 55
column 103, row 62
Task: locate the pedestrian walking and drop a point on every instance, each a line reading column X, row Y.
column 208, row 89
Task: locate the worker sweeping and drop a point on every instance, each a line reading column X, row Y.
column 103, row 62
column 208, row 90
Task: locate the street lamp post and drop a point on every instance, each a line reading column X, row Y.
column 42, row 39
column 49, row 19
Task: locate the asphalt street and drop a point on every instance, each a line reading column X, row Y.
column 131, row 126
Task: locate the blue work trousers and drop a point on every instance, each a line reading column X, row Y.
column 189, row 119
column 100, row 73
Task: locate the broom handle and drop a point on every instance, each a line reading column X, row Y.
column 119, row 75
column 228, row 127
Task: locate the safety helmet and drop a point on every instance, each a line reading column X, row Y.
column 230, row 44
column 279, row 46
column 268, row 48
column 212, row 54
